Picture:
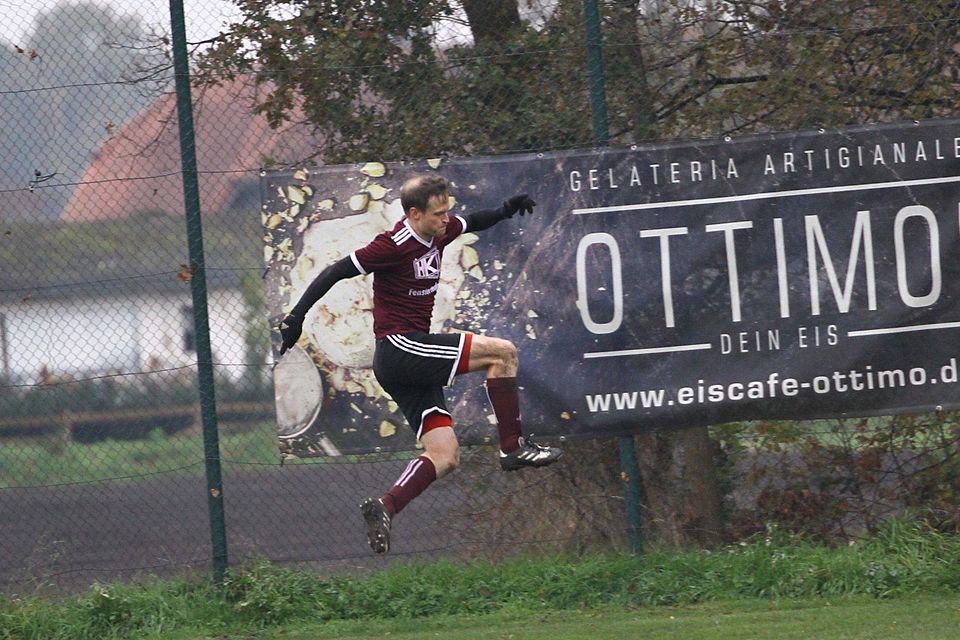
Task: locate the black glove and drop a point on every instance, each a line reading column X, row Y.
column 290, row 328
column 517, row 204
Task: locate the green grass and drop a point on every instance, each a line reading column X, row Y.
column 26, row 464
column 923, row 617
column 31, row 464
column 774, row 586
column 909, row 618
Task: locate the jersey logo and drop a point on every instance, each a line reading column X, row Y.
column 427, row 266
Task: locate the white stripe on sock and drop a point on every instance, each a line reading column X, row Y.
column 409, row 471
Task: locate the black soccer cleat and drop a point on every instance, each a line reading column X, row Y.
column 378, row 524
column 530, row 454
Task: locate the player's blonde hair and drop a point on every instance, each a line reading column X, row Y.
column 418, row 190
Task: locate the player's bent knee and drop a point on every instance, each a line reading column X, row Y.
column 506, row 352
column 456, row 457
column 441, row 443
column 445, row 459
column 510, row 351
column 453, row 460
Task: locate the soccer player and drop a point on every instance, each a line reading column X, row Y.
column 412, row 364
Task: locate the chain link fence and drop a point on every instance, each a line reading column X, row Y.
column 102, row 456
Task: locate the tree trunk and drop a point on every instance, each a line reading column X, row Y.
column 627, row 66
column 662, row 489
column 705, row 522
column 680, row 481
column 491, row 20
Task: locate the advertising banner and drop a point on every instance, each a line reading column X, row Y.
column 794, row 275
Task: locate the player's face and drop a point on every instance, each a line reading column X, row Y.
column 432, row 223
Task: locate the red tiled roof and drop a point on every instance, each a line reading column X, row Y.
column 138, row 168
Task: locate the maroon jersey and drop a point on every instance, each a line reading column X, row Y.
column 406, row 276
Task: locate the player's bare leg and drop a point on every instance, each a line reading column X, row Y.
column 443, row 449
column 498, row 358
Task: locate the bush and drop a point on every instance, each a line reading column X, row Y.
column 834, row 480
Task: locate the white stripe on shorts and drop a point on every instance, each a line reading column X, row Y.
column 423, row 349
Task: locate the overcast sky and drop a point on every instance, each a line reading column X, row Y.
column 204, row 18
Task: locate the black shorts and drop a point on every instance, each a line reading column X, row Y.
column 414, row 368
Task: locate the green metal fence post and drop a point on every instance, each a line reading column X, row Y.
column 634, row 492
column 598, row 103
column 598, row 95
column 198, row 286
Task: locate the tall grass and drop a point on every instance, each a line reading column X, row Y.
column 905, row 558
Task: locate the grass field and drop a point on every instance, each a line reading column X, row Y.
column 904, row 582
column 847, row 618
column 26, row 463
column 909, row 618
column 30, row 464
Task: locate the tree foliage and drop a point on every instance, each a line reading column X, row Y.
column 777, row 65
column 377, row 77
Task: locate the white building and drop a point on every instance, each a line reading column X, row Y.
column 143, row 331
column 68, row 311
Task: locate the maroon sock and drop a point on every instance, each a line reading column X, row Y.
column 415, row 478
column 505, row 399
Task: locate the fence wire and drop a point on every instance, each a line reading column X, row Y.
column 101, row 462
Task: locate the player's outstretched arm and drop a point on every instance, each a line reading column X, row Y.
column 292, row 325
column 485, row 219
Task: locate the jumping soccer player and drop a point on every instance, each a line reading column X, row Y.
column 412, row 364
